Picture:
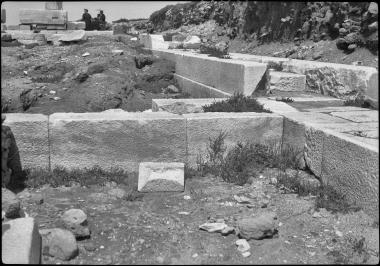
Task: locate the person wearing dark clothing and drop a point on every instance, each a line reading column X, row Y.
column 86, row 17
column 102, row 20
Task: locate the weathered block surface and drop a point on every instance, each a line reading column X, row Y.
column 21, row 242
column 227, row 75
column 253, row 127
column 276, row 106
column 352, row 168
column 313, row 150
column 119, row 139
column 161, row 177
column 36, row 16
column 195, row 89
column 293, row 134
column 339, row 80
column 285, row 81
column 31, row 134
column 185, row 105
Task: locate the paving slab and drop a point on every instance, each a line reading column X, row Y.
column 351, row 126
column 252, row 127
column 32, row 138
column 362, row 116
column 116, row 139
column 276, row 106
column 352, row 167
column 20, row 242
column 161, row 177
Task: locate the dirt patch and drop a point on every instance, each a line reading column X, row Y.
column 163, row 228
column 47, row 79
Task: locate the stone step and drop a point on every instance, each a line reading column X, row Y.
column 285, row 81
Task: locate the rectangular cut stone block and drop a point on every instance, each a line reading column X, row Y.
column 32, row 138
column 361, row 116
column 153, row 41
column 116, row 139
column 35, row 16
column 352, row 168
column 161, row 177
column 285, row 81
column 252, row 127
column 227, row 75
column 21, row 243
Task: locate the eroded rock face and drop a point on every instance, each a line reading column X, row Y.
column 59, row 243
column 259, row 227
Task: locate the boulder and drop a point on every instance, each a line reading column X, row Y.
column 95, row 68
column 143, row 60
column 259, row 227
column 75, row 220
column 59, row 243
column 10, row 204
column 192, row 42
column 373, row 8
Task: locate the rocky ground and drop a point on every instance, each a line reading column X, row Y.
column 164, row 228
column 101, row 73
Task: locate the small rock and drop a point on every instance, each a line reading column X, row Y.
column 160, row 259
column 184, row 213
column 57, row 98
column 246, row 254
column 259, row 227
column 186, row 197
column 227, row 230
column 134, row 39
column 338, row 233
column 25, row 72
column 243, row 245
column 75, row 220
column 213, row 227
column 171, row 89
column 342, row 32
column 52, row 92
column 352, row 47
column 195, row 255
column 273, row 181
column 242, row 199
column 90, row 246
column 317, row 215
column 373, row 8
column 373, row 26
column 86, row 54
column 59, row 243
column 31, row 45
column 317, row 55
column 64, row 89
column 81, row 77
column 10, row 204
column 117, row 52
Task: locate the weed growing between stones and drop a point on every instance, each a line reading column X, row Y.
column 60, row 176
column 244, row 159
column 236, row 103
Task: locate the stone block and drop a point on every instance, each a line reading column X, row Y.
column 74, row 36
column 285, row 81
column 195, row 89
column 358, row 116
column 13, row 27
column 153, row 41
column 25, row 27
column 161, row 177
column 252, row 127
column 32, row 138
column 352, row 168
column 227, row 75
column 338, row 80
column 293, row 134
column 21, row 242
column 116, row 139
column 36, row 16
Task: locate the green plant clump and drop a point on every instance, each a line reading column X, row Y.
column 236, row 103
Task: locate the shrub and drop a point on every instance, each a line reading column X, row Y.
column 236, row 103
column 358, row 102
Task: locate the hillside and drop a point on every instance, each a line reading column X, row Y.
column 268, row 27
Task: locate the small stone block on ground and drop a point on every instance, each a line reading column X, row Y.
column 161, row 177
column 20, row 242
